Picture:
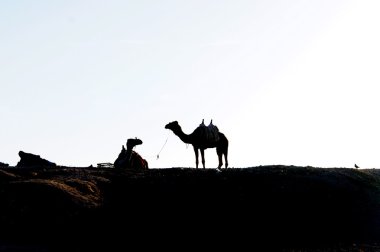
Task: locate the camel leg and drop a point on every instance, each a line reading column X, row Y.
column 225, row 157
column 196, row 157
column 219, row 157
column 220, row 161
column 203, row 158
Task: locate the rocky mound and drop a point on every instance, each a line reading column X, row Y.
column 269, row 206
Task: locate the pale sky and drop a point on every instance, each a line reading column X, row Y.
column 288, row 82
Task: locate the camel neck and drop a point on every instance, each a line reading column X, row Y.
column 184, row 137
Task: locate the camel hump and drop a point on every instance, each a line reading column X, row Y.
column 210, row 132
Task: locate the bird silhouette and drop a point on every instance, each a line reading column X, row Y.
column 356, row 166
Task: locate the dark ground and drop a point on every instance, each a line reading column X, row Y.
column 266, row 208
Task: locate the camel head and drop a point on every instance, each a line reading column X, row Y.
column 174, row 126
column 132, row 142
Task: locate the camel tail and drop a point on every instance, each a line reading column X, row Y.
column 223, row 142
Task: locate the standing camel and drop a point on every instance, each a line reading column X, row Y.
column 203, row 137
column 130, row 159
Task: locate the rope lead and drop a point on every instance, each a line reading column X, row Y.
column 158, row 155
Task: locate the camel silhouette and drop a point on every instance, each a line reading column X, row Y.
column 30, row 160
column 130, row 159
column 203, row 137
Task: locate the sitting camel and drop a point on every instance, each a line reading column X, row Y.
column 32, row 160
column 129, row 159
column 203, row 137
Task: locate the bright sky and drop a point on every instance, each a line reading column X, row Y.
column 288, row 82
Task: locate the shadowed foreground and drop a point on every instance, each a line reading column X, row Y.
column 271, row 207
